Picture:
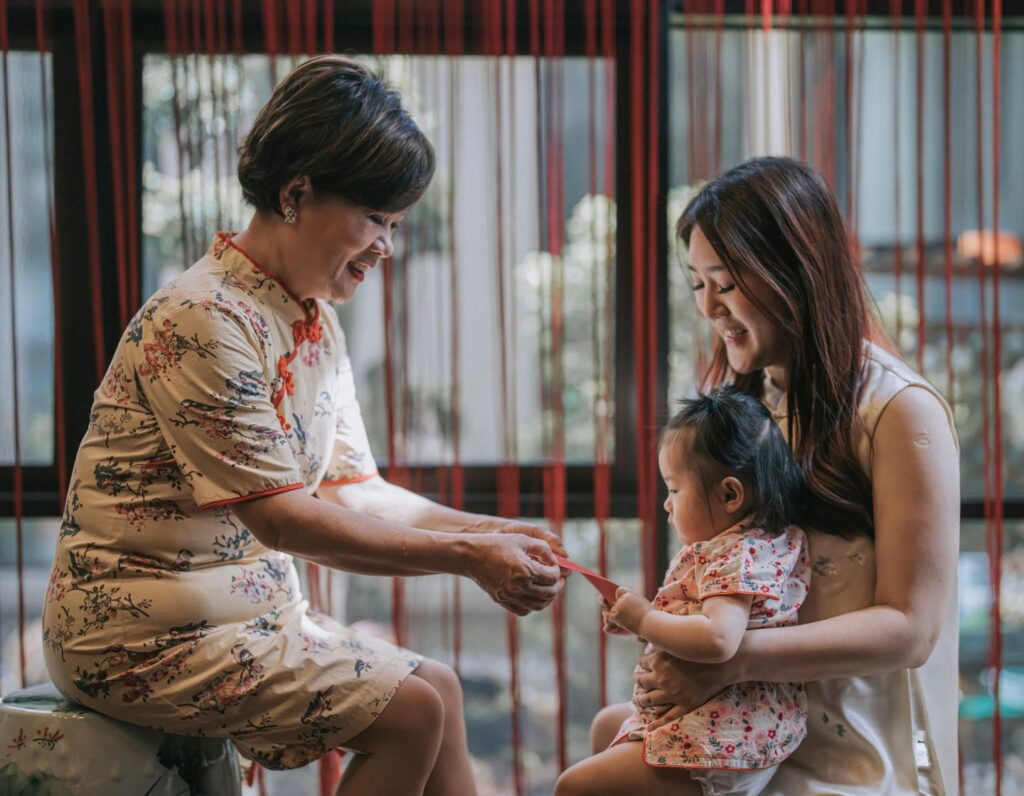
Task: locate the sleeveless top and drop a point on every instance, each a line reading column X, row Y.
column 891, row 733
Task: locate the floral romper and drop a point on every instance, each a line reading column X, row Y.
column 162, row 608
column 749, row 725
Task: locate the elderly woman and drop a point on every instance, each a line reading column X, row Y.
column 227, row 411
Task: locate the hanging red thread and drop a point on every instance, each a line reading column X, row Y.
column 947, row 191
column 115, row 115
column 896, row 12
column 83, row 52
column 996, row 547
column 919, row 19
column 59, row 429
column 131, row 159
column 654, row 209
column 171, row 35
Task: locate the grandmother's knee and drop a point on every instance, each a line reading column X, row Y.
column 426, row 706
column 444, row 680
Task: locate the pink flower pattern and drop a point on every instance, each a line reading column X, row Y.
column 749, row 725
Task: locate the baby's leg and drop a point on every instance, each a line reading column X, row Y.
column 620, row 770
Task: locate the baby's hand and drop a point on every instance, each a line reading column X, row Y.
column 608, row 626
column 629, row 610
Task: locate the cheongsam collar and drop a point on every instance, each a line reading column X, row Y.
column 243, row 272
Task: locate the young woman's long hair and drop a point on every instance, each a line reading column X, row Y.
column 776, row 218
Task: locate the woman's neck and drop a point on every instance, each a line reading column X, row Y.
column 262, row 243
column 778, row 375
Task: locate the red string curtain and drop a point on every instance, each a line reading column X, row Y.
column 530, row 85
column 808, row 63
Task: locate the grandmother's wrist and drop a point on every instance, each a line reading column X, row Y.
column 466, row 552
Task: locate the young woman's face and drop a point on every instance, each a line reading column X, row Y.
column 340, row 243
column 752, row 341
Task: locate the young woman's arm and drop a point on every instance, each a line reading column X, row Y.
column 916, row 481
column 713, row 636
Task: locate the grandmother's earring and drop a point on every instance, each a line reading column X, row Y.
column 290, row 216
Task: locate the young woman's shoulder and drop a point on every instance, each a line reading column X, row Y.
column 886, row 390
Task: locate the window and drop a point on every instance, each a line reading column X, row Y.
column 30, row 269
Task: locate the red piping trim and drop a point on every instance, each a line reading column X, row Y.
column 226, row 237
column 250, row 496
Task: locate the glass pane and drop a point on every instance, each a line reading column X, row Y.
column 28, row 74
column 976, row 677
column 39, row 539
column 482, row 116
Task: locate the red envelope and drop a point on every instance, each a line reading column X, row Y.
column 606, row 587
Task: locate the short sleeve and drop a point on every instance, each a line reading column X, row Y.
column 351, row 459
column 743, row 564
column 199, row 366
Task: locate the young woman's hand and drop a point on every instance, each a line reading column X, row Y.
column 629, row 610
column 679, row 686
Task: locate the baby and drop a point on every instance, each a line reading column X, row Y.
column 734, row 493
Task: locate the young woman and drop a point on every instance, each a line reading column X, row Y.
column 772, row 271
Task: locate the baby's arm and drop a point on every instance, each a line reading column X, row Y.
column 711, row 637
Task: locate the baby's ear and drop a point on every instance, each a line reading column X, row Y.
column 732, row 494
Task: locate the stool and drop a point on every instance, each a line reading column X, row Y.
column 54, row 747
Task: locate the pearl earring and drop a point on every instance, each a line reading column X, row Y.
column 290, row 216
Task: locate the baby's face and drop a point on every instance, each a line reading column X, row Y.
column 688, row 505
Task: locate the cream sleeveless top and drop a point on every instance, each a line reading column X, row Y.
column 887, row 734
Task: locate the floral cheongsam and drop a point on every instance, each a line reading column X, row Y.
column 748, row 725
column 163, row 609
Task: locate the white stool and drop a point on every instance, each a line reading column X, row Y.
column 54, row 747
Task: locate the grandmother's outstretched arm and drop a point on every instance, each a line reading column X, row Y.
column 517, row 571
column 387, row 501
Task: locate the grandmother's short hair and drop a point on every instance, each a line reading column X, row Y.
column 335, row 122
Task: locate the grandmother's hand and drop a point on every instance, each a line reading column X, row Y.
column 517, row 571
column 676, row 687
column 503, row 525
